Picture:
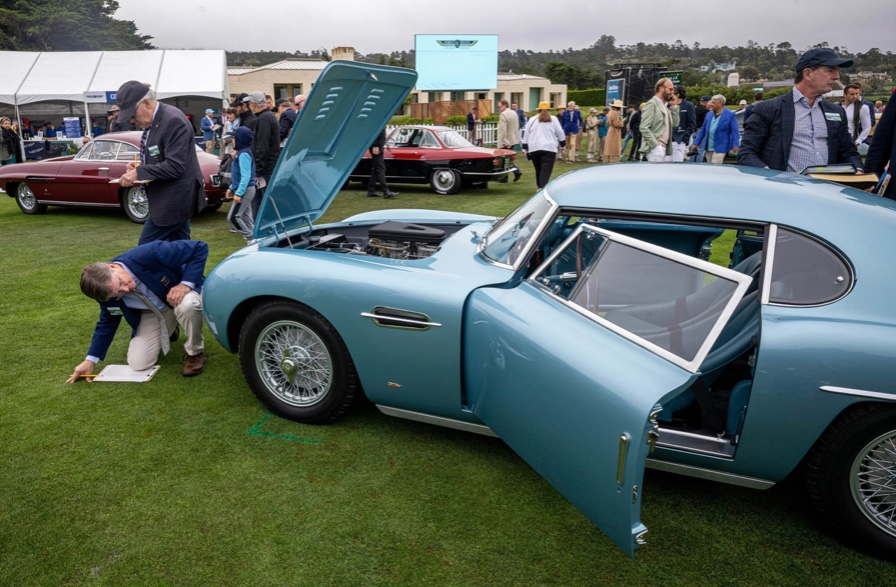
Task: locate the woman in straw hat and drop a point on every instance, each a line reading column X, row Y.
column 613, row 142
column 543, row 137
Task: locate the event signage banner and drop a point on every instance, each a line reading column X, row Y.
column 614, row 89
column 72, row 127
column 100, row 97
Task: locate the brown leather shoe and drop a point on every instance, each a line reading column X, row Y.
column 194, row 365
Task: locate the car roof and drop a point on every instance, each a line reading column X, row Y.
column 826, row 209
column 128, row 136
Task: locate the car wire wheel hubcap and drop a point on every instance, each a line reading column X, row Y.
column 138, row 203
column 873, row 481
column 26, row 197
column 444, row 179
column 294, row 363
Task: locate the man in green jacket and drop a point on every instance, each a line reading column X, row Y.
column 658, row 120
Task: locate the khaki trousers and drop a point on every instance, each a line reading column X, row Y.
column 143, row 351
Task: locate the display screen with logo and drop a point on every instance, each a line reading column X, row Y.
column 456, row 62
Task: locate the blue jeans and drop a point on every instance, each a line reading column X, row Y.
column 175, row 232
column 625, row 141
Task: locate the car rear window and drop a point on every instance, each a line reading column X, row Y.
column 806, row 271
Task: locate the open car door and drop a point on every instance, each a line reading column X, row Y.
column 570, row 367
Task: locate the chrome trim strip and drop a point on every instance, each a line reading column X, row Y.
column 488, row 173
column 437, row 420
column 701, row 473
column 889, row 397
column 402, row 320
column 624, row 440
column 768, row 263
column 79, row 204
column 695, row 443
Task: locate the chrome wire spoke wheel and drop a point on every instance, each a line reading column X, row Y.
column 26, row 198
column 137, row 204
column 294, row 363
column 873, row 481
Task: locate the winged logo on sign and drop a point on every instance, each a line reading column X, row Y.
column 457, row 43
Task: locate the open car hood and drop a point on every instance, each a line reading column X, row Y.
column 345, row 111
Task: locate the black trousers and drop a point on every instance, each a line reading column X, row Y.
column 377, row 173
column 636, row 146
column 543, row 161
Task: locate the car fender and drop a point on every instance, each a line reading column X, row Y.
column 414, row 369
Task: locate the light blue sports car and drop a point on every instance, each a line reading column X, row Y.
column 588, row 329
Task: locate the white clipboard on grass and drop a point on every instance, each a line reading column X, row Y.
column 124, row 374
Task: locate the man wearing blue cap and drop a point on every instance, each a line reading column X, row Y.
column 169, row 166
column 208, row 130
column 799, row 129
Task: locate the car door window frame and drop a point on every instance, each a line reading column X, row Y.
column 741, row 284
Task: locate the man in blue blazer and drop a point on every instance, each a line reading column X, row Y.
column 719, row 133
column 175, row 188
column 167, row 275
column 799, row 129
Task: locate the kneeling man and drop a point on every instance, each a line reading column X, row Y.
column 154, row 287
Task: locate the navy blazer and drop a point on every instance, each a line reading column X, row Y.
column 687, row 122
column 768, row 135
column 177, row 189
column 160, row 265
column 883, row 146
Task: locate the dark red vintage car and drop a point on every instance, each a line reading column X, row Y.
column 83, row 179
column 441, row 157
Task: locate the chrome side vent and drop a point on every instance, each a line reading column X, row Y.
column 396, row 318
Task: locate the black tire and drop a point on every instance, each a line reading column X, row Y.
column 296, row 364
column 851, row 477
column 211, row 208
column 27, row 201
column 135, row 204
column 445, row 181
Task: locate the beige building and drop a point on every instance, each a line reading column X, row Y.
column 290, row 77
column 525, row 90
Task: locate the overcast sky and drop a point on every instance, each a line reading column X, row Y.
column 383, row 26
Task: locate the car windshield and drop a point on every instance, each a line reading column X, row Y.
column 509, row 239
column 453, row 139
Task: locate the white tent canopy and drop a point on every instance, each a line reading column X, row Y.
column 64, row 77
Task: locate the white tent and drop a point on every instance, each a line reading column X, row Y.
column 65, row 83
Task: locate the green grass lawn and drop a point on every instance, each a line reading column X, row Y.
column 191, row 482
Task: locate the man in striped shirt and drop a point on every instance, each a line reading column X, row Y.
column 799, row 129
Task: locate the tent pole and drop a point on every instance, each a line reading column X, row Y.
column 87, row 121
column 21, row 133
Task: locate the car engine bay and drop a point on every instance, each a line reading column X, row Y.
column 391, row 240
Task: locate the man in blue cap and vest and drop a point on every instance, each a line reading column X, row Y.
column 799, row 129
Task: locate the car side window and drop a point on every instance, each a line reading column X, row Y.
column 806, row 271
column 86, row 152
column 104, row 151
column 400, row 138
column 428, row 140
column 127, row 152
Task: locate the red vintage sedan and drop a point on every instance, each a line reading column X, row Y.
column 83, row 179
column 441, row 157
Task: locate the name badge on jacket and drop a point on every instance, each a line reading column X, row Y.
column 833, row 116
column 155, row 151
